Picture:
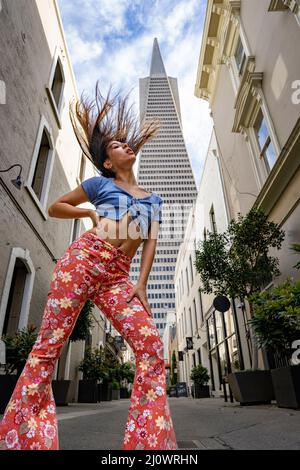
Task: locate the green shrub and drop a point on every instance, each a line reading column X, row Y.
column 92, row 365
column 18, row 347
column 276, row 319
column 115, row 385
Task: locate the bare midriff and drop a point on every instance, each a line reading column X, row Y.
column 117, row 233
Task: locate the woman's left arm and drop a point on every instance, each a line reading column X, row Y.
column 148, row 253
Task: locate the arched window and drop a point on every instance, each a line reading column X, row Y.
column 41, row 167
column 55, row 87
column 16, row 296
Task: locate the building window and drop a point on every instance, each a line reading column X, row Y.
column 240, row 56
column 82, row 168
column 17, row 290
column 191, row 322
column 194, row 360
column 75, row 229
column 41, row 167
column 201, row 306
column 15, row 298
column 199, row 356
column 267, row 151
column 191, row 268
column 187, row 280
column 185, row 321
column 58, row 83
column 195, row 315
column 55, row 89
column 213, row 219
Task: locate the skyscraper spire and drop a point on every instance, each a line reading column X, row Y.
column 157, row 67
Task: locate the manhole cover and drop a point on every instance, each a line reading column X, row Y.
column 187, row 445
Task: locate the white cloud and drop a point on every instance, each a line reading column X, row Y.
column 85, row 50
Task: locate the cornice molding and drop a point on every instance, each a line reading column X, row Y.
column 277, row 5
column 282, row 5
column 217, row 48
column 248, row 98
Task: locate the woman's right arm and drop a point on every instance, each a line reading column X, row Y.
column 65, row 206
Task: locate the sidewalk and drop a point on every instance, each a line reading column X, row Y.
column 208, row 423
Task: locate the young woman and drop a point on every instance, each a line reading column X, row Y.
column 96, row 266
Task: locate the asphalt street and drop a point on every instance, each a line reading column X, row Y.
column 207, row 423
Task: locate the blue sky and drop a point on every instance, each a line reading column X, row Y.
column 111, row 40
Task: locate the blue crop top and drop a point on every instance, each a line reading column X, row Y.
column 113, row 202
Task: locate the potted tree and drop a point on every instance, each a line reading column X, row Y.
column 18, row 347
column 92, row 366
column 112, row 372
column 127, row 373
column 276, row 322
column 199, row 375
column 237, row 264
column 115, row 390
column 80, row 332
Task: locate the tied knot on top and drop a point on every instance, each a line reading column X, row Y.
column 139, row 216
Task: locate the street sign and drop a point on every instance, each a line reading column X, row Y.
column 221, row 303
column 181, row 389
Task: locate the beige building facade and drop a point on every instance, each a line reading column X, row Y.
column 197, row 318
column 248, row 71
column 37, row 84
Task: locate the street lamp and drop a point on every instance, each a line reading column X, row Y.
column 17, row 182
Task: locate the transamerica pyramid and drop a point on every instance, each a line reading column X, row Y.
column 164, row 168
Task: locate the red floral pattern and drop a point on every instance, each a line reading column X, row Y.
column 90, row 268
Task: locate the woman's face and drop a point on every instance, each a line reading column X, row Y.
column 119, row 154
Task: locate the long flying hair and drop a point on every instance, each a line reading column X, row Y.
column 96, row 122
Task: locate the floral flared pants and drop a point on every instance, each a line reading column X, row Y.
column 90, row 268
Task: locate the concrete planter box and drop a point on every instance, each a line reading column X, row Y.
column 104, row 392
column 115, row 394
column 286, row 382
column 7, row 385
column 200, row 391
column 88, row 391
column 61, row 391
column 252, row 387
column 124, row 392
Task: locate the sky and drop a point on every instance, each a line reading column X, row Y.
column 111, row 41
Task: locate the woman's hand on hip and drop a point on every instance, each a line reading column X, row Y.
column 139, row 291
column 95, row 217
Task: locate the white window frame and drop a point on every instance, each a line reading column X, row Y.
column 266, row 144
column 234, row 72
column 57, row 109
column 24, row 255
column 41, row 204
column 261, row 167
